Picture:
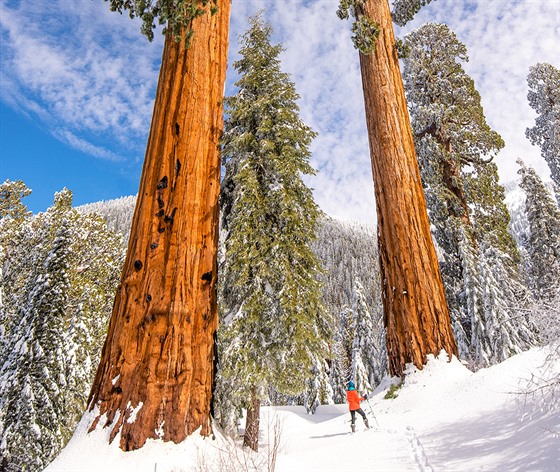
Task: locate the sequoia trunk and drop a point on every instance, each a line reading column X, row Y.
column 415, row 310
column 156, row 371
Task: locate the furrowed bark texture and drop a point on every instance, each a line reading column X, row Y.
column 252, row 422
column 415, row 310
column 156, row 371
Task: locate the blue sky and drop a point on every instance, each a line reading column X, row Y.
column 77, row 84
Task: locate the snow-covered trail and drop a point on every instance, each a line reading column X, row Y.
column 444, row 419
column 309, row 442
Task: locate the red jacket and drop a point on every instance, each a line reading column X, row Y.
column 353, row 399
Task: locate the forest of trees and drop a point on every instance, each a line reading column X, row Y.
column 306, row 303
column 33, row 246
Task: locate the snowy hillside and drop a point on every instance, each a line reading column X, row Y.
column 444, row 418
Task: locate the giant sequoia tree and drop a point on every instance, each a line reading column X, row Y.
column 158, row 356
column 415, row 309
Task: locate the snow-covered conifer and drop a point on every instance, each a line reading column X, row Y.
column 544, row 98
column 543, row 245
column 275, row 327
column 33, row 428
column 58, row 319
column 363, row 343
column 469, row 218
column 404, row 10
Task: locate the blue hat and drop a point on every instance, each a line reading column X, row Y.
column 351, row 386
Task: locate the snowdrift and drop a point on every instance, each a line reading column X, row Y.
column 443, row 418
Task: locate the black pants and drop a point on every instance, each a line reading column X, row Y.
column 353, row 415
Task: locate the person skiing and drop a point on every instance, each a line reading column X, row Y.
column 354, row 405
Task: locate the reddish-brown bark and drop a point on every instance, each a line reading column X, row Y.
column 158, row 355
column 415, row 310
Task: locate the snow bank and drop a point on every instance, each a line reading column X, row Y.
column 444, row 418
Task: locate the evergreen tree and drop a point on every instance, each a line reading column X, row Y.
column 15, row 231
column 96, row 262
column 348, row 253
column 33, row 378
column 543, row 246
column 275, row 326
column 544, row 98
column 490, row 215
column 455, row 146
column 363, row 343
column 11, row 194
column 58, row 317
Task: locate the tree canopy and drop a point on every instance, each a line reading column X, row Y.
column 176, row 15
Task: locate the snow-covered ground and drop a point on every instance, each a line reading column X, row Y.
column 445, row 418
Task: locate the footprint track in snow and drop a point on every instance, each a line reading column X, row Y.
column 417, row 451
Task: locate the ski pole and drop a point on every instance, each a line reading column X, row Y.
column 373, row 414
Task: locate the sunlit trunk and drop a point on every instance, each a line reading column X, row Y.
column 415, row 310
column 156, row 371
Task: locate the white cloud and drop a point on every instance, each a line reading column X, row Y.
column 71, row 139
column 77, row 66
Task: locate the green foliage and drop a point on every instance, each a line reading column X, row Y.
column 275, row 326
column 177, row 15
column 490, row 215
column 11, row 194
column 392, row 393
column 543, row 245
column 60, row 271
column 405, row 10
column 365, row 30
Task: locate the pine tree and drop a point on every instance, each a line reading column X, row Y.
column 543, row 246
column 363, row 343
column 165, row 310
column 96, row 262
column 11, row 194
column 33, row 380
column 15, row 226
column 77, row 292
column 455, row 147
column 490, row 215
column 275, row 326
column 544, row 98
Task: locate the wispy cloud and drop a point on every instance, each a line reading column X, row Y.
column 66, row 136
column 78, row 67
